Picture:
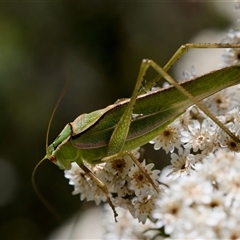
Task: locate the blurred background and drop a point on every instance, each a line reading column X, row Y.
column 98, row 46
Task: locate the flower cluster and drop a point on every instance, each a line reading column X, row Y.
column 204, row 204
column 129, row 185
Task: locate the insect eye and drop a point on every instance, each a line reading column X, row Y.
column 52, row 158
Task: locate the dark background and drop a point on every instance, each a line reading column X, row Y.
column 98, row 46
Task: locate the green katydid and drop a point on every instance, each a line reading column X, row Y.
column 113, row 131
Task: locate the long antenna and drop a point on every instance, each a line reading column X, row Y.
column 55, row 109
column 36, row 189
column 41, row 197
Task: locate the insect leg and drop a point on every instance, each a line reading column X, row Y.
column 120, row 132
column 101, row 185
column 180, row 52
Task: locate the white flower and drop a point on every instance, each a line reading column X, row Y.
column 168, row 139
column 182, row 163
column 219, row 103
column 139, row 182
column 231, row 55
column 144, row 205
column 84, row 185
column 226, row 141
column 233, row 115
column 119, row 167
column 199, row 136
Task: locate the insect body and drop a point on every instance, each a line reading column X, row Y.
column 87, row 137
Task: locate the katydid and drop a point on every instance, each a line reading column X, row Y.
column 87, row 137
column 114, row 131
